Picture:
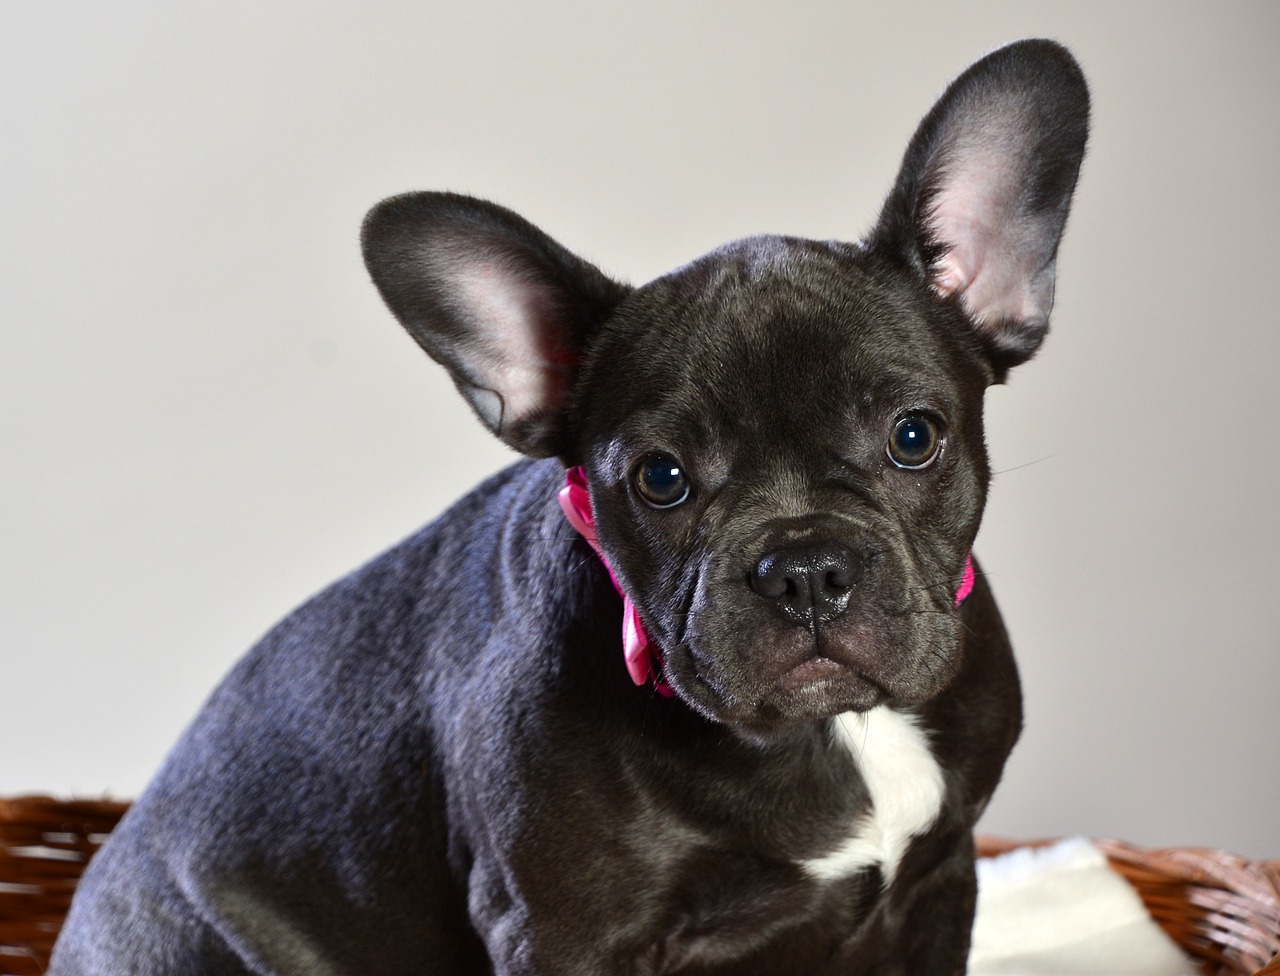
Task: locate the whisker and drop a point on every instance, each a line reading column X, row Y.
column 1019, row 467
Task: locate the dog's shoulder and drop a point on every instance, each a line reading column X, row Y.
column 317, row 755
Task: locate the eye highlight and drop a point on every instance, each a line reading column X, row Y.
column 915, row 442
column 661, row 481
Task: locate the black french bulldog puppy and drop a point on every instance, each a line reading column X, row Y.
column 767, row 755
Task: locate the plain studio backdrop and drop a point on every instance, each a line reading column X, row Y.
column 207, row 414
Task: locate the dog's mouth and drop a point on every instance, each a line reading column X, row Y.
column 742, row 663
column 814, row 670
column 768, row 691
column 818, row 688
column 820, row 672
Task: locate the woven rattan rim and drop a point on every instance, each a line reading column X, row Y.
column 1223, row 910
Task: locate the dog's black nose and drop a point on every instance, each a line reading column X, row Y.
column 809, row 584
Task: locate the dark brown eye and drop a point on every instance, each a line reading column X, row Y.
column 661, row 481
column 914, row 442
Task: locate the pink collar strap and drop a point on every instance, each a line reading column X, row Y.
column 966, row 581
column 644, row 661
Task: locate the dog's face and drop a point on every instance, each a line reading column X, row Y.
column 784, row 442
column 784, row 438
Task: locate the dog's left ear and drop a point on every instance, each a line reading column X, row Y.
column 497, row 302
column 982, row 197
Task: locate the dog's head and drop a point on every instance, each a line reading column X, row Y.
column 784, row 438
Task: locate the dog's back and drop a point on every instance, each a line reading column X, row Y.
column 301, row 819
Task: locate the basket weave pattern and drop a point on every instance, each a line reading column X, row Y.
column 44, row 845
column 1223, row 911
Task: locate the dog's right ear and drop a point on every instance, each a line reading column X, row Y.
column 502, row 306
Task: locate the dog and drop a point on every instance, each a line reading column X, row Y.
column 709, row 682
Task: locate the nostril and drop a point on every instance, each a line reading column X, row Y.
column 839, row 579
column 770, row 578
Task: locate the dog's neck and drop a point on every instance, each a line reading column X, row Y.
column 643, row 657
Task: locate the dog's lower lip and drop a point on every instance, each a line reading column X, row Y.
column 816, row 668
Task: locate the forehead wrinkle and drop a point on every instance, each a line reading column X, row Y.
column 672, row 428
column 781, row 490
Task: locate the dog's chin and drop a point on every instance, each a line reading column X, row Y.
column 789, row 677
column 819, row 688
column 816, row 688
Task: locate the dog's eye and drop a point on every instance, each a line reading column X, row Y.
column 915, row 442
column 661, row 481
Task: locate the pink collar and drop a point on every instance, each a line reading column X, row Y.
column 644, row 661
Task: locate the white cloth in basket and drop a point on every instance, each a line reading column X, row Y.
column 1062, row 911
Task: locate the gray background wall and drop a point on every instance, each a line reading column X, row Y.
column 206, row 415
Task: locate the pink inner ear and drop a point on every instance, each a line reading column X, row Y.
column 994, row 261
column 517, row 350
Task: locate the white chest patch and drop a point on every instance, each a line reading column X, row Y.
column 906, row 787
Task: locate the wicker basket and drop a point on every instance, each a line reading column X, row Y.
column 1223, row 911
column 44, row 845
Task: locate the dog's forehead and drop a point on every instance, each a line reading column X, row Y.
column 807, row 301
column 777, row 326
